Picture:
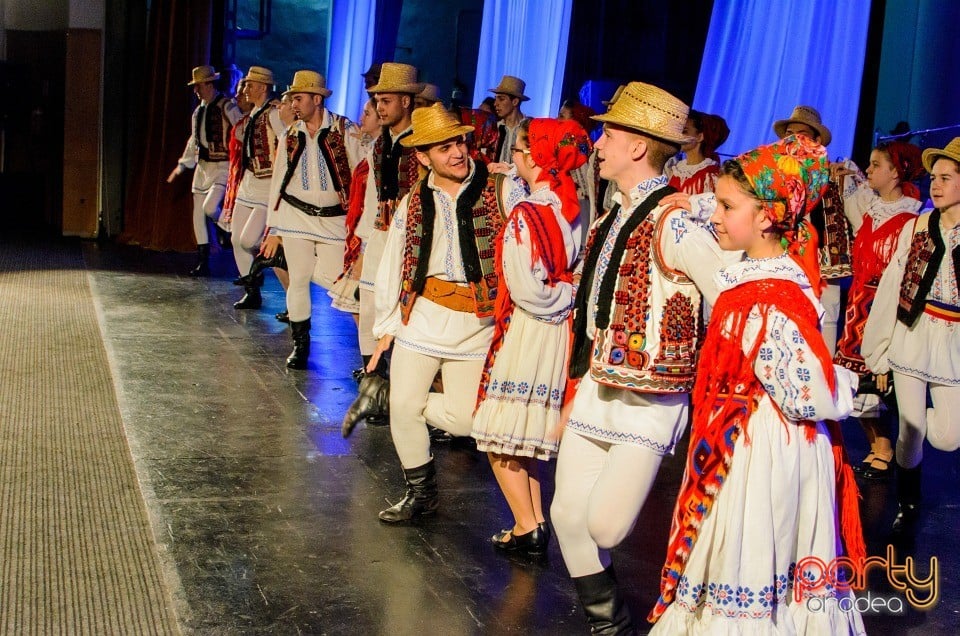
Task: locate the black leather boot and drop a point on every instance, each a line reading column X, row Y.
column 202, row 267
column 606, row 612
column 301, row 345
column 251, row 299
column 908, row 498
column 373, row 400
column 421, row 498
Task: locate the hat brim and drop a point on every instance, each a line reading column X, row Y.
column 411, row 89
column 269, row 81
column 430, row 138
column 658, row 134
column 313, row 90
column 930, row 156
column 521, row 97
column 212, row 78
column 780, row 129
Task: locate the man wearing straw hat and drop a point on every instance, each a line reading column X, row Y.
column 636, row 323
column 394, row 169
column 207, row 153
column 429, row 96
column 258, row 134
column 435, row 293
column 506, row 103
column 309, row 194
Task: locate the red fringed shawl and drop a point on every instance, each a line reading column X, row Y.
column 351, row 251
column 547, row 246
column 235, row 173
column 873, row 249
column 725, row 395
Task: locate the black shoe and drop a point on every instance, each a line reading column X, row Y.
column 545, row 529
column 251, row 300
column 202, row 267
column 358, row 373
column 870, row 472
column 301, row 345
column 533, row 542
column 283, row 316
column 378, row 419
column 421, row 499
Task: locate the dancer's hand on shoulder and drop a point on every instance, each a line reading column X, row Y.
column 677, row 200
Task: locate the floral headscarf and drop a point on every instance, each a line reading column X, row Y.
column 789, row 177
column 559, row 147
column 906, row 158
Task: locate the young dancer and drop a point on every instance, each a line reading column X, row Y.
column 525, row 375
column 760, row 492
column 914, row 329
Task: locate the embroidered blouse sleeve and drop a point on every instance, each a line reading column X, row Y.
column 857, row 197
column 232, row 111
column 188, row 160
column 792, row 375
column 691, row 249
column 386, row 288
column 878, row 331
column 526, row 278
column 353, row 143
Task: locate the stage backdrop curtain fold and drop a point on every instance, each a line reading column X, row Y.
column 527, row 39
column 351, row 51
column 157, row 215
column 763, row 58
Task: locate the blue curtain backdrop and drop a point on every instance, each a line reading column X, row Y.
column 527, row 39
column 351, row 50
column 763, row 58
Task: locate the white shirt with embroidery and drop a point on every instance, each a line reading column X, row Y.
column 432, row 329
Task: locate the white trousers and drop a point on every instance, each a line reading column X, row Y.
column 940, row 425
column 368, row 344
column 600, row 489
column 206, row 205
column 248, row 226
column 412, row 405
column 309, row 260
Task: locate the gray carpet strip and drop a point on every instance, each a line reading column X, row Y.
column 76, row 552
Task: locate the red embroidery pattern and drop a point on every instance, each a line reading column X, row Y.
column 678, row 330
column 487, row 223
column 921, row 251
column 337, row 148
column 409, row 170
column 631, row 301
column 217, row 127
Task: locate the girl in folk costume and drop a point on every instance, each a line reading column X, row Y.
column 877, row 208
column 914, row 329
column 765, row 473
column 345, row 293
column 525, row 375
column 697, row 171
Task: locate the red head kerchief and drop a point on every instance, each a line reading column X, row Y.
column 559, row 147
column 715, row 132
column 789, row 177
column 907, row 159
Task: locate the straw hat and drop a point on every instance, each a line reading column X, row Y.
column 203, row 74
column 308, row 82
column 430, row 93
column 952, row 151
column 397, row 78
column 432, row 125
column 616, row 94
column 650, row 110
column 512, row 86
column 260, row 74
column 804, row 115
